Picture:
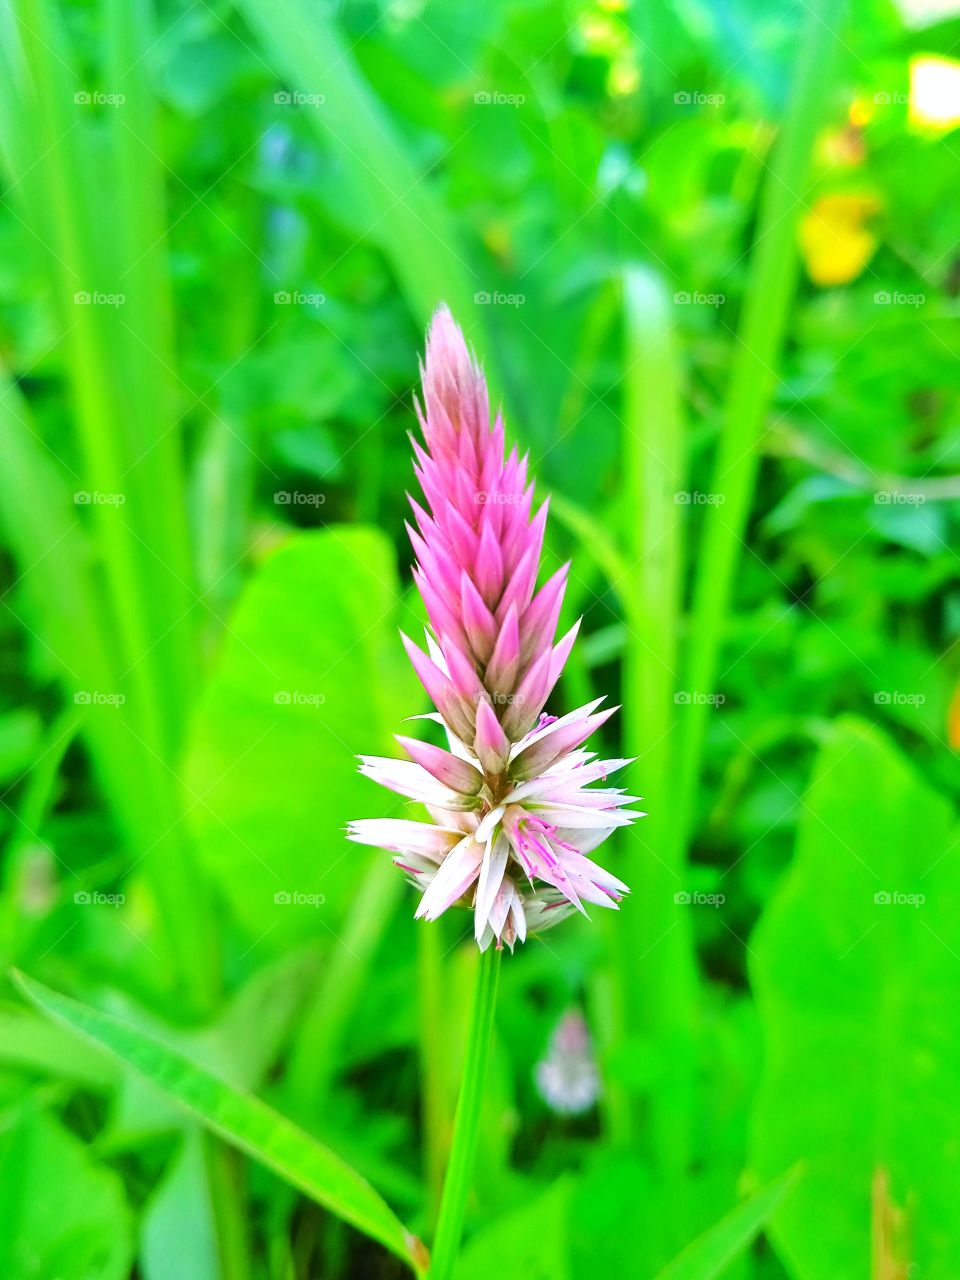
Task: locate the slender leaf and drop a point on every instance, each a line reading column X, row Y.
column 710, row 1253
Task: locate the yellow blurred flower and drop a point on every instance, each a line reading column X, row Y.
column 835, row 241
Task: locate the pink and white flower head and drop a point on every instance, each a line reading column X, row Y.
column 514, row 812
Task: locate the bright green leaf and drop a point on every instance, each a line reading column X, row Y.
column 312, row 673
column 63, row 1215
column 856, row 971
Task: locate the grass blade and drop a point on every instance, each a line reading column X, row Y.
column 772, row 280
column 657, row 973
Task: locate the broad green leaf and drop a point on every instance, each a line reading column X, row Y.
column 530, row 1240
column 238, row 1118
column 63, row 1215
column 856, row 971
column 311, row 674
column 710, row 1253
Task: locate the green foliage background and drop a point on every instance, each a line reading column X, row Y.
column 224, row 229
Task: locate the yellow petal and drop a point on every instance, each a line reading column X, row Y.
column 835, row 241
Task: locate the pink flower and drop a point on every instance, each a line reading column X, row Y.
column 567, row 1076
column 514, row 812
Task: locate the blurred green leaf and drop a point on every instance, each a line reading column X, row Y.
column 380, row 182
column 64, row 1216
column 856, row 971
column 311, row 673
column 240, row 1119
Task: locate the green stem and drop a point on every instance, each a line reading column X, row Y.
column 435, row 1114
column 660, row 971
column 460, row 1168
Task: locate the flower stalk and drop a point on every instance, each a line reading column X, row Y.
column 456, row 1186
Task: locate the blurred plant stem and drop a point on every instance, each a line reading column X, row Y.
column 657, row 963
column 456, row 1185
column 131, row 467
column 131, row 636
column 758, row 346
column 316, row 1052
column 433, row 1090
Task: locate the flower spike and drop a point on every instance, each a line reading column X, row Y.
column 514, row 814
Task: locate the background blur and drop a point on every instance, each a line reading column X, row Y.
column 707, row 252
